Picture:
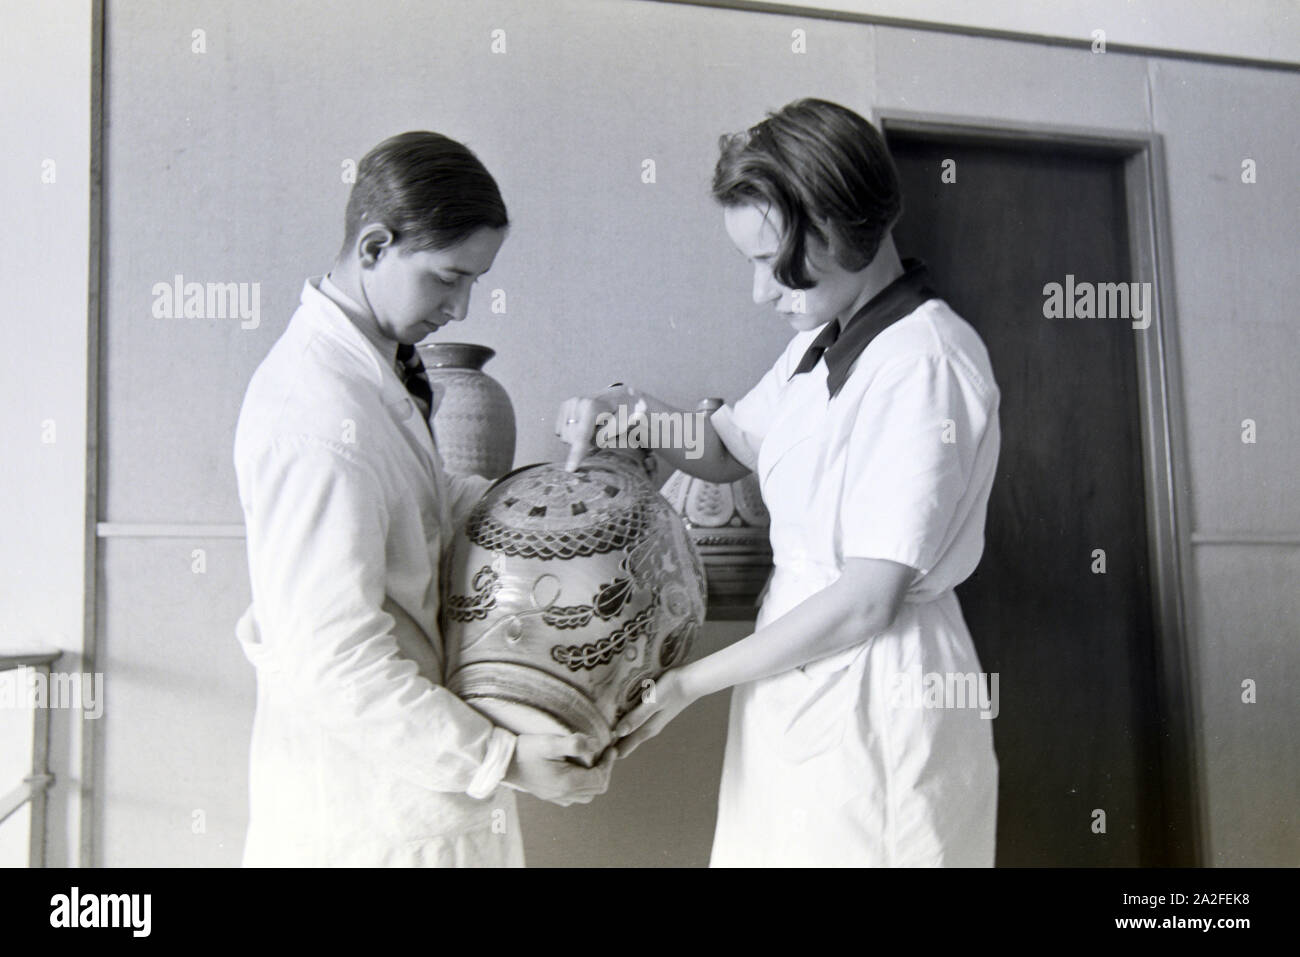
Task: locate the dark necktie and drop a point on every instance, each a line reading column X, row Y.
column 825, row 339
column 411, row 370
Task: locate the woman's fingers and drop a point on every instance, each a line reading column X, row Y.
column 565, row 416
column 582, row 425
column 634, row 719
column 587, row 422
column 638, row 737
column 637, row 726
column 574, row 424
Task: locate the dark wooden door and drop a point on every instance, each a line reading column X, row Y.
column 1074, row 648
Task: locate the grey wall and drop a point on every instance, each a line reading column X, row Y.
column 45, row 73
column 1238, row 286
column 225, row 166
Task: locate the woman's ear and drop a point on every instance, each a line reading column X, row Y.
column 372, row 242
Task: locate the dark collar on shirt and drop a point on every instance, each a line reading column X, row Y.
column 842, row 348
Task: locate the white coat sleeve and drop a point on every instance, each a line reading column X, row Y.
column 743, row 426
column 316, row 542
column 465, row 490
column 911, row 455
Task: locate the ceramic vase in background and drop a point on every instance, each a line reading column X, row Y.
column 728, row 525
column 473, row 420
column 567, row 594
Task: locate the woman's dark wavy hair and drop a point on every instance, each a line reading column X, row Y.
column 826, row 170
column 430, row 190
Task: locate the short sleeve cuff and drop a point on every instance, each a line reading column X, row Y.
column 500, row 749
column 741, row 445
column 908, row 555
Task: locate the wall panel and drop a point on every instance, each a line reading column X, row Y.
column 173, row 740
column 1247, row 601
column 46, row 190
column 1235, row 245
column 1014, row 82
column 225, row 166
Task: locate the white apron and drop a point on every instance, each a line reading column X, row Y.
column 854, row 760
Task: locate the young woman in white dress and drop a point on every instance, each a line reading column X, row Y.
column 859, row 731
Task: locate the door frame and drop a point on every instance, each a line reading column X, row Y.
column 1164, row 446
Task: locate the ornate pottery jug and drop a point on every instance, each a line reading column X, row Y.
column 729, row 526
column 566, row 594
column 473, row 420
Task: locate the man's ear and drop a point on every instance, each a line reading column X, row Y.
column 372, row 242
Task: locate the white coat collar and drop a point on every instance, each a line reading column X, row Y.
column 324, row 316
column 361, row 319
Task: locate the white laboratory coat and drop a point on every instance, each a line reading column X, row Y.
column 359, row 756
column 844, row 761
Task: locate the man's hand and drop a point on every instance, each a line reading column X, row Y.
column 558, row 768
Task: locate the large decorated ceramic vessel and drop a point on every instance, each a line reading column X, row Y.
column 567, row 594
column 473, row 421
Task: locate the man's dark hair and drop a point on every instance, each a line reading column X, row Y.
column 430, row 190
column 826, row 170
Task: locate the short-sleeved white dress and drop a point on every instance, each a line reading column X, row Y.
column 880, row 755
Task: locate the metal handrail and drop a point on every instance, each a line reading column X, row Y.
column 35, row 786
column 17, row 659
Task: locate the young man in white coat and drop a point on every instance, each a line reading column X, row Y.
column 359, row 755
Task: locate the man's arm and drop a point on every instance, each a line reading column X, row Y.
column 316, row 540
column 465, row 490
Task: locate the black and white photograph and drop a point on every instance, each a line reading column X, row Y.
column 651, row 434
